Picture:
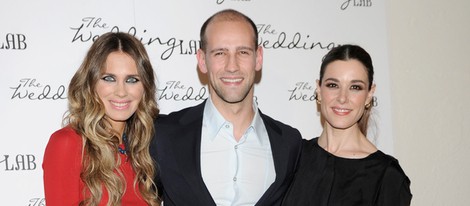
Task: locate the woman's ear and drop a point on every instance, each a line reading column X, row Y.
column 370, row 95
column 318, row 89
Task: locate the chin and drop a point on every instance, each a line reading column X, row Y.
column 342, row 126
column 120, row 118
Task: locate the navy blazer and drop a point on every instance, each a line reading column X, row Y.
column 176, row 149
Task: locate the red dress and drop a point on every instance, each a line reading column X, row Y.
column 62, row 166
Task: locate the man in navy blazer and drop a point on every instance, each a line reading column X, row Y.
column 225, row 151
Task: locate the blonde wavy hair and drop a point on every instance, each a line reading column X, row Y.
column 86, row 114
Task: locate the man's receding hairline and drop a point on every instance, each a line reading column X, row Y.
column 228, row 16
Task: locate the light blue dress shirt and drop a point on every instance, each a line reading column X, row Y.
column 235, row 173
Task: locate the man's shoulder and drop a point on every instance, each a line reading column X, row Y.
column 181, row 115
column 278, row 125
column 268, row 119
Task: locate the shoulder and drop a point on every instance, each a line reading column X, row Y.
column 310, row 142
column 280, row 127
column 64, row 140
column 65, row 136
column 309, row 145
column 311, row 151
column 393, row 169
column 181, row 116
column 395, row 186
column 394, row 173
column 63, row 149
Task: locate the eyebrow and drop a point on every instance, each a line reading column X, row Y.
column 217, row 50
column 114, row 75
column 353, row 81
column 358, row 81
column 245, row 48
column 238, row 49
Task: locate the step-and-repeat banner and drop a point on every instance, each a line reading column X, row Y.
column 42, row 44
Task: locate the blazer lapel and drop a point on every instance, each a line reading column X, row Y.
column 280, row 152
column 187, row 147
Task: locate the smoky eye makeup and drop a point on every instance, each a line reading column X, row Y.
column 108, row 78
column 132, row 79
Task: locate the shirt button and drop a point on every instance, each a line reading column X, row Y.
column 236, row 146
column 227, row 126
column 234, row 179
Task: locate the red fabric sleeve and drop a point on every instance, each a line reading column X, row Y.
column 62, row 166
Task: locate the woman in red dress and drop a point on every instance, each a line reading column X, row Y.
column 101, row 156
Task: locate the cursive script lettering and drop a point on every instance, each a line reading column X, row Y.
column 28, row 88
column 175, row 90
column 93, row 22
column 282, row 41
column 37, row 202
column 303, row 91
column 265, row 29
column 356, row 3
column 86, row 32
column 88, row 23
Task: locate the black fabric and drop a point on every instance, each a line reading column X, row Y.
column 176, row 150
column 326, row 180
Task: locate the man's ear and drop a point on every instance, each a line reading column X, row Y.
column 201, row 61
column 259, row 58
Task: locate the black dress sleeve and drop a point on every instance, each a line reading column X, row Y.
column 395, row 187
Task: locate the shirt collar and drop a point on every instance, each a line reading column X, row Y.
column 215, row 121
column 212, row 119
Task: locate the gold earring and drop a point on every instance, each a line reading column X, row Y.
column 316, row 98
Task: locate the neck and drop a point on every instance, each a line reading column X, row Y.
column 119, row 128
column 240, row 114
column 350, row 142
column 335, row 139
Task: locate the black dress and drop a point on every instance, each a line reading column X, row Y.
column 327, row 180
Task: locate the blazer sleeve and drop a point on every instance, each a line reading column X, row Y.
column 62, row 166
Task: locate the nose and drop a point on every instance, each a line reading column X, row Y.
column 232, row 63
column 120, row 89
column 342, row 96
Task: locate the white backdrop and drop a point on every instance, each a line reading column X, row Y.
column 42, row 43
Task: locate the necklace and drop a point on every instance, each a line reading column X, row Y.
column 124, row 140
column 122, row 151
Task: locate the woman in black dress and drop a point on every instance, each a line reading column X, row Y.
column 342, row 167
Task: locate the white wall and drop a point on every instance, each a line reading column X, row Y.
column 43, row 42
column 429, row 45
column 429, row 75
